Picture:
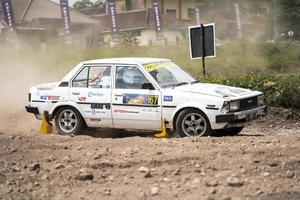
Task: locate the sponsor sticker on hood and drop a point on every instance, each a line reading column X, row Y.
column 230, row 92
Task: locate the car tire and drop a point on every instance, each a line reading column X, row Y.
column 191, row 123
column 69, row 121
column 228, row 132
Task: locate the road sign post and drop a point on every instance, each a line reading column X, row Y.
column 203, row 49
column 202, row 42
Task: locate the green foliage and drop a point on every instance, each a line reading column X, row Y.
column 280, row 90
column 88, row 4
column 289, row 16
column 281, row 56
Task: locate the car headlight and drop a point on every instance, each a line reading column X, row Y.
column 234, row 105
column 261, row 100
column 226, row 106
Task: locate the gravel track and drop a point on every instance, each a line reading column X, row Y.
column 261, row 163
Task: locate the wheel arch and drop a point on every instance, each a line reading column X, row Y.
column 184, row 108
column 57, row 107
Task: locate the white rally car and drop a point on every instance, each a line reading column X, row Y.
column 143, row 94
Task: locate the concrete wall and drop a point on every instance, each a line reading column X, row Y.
column 174, row 4
column 186, row 4
column 148, row 37
column 137, row 4
column 171, row 4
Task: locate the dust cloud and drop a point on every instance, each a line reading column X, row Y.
column 20, row 69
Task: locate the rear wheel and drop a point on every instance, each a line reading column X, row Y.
column 68, row 121
column 228, row 132
column 191, row 123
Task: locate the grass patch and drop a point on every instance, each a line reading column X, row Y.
column 279, row 90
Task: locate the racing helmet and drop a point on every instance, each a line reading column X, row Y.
column 133, row 75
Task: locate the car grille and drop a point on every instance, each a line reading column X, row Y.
column 248, row 103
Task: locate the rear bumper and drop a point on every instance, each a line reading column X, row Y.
column 33, row 110
column 243, row 116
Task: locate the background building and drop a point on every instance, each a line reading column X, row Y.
column 40, row 21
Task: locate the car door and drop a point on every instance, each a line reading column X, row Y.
column 136, row 104
column 91, row 90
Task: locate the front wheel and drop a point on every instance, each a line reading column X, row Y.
column 68, row 121
column 192, row 122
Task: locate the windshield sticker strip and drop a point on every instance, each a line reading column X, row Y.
column 155, row 66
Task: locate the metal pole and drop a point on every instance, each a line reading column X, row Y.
column 0, row 19
column 275, row 20
column 203, row 49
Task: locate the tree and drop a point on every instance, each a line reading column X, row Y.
column 83, row 4
column 289, row 16
column 99, row 3
column 88, row 4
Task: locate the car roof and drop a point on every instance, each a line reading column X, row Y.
column 127, row 60
column 130, row 61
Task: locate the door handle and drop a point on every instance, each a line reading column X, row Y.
column 76, row 93
column 118, row 95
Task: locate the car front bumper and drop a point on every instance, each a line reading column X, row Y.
column 33, row 110
column 242, row 116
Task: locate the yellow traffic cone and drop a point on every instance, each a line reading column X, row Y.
column 47, row 127
column 163, row 134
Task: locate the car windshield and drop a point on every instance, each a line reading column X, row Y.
column 168, row 74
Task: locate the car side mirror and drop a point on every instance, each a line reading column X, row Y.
column 148, row 86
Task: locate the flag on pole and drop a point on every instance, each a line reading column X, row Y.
column 0, row 19
column 65, row 13
column 158, row 20
column 238, row 19
column 8, row 14
column 113, row 12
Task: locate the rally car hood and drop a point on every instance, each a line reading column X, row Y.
column 47, row 86
column 216, row 90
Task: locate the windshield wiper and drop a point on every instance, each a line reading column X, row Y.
column 181, row 83
column 194, row 82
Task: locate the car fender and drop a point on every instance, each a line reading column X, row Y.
column 196, row 105
column 188, row 105
column 210, row 114
column 67, row 103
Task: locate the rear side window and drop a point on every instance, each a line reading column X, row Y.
column 81, row 79
column 99, row 77
column 93, row 77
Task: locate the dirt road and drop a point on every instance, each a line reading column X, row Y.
column 262, row 163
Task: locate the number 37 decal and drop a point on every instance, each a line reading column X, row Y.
column 153, row 100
